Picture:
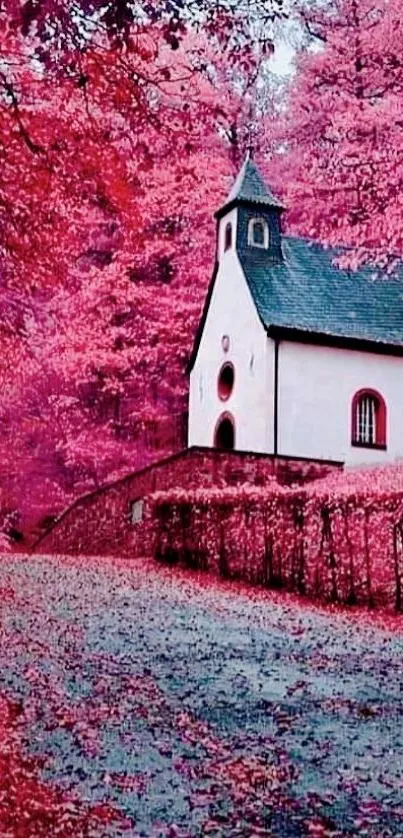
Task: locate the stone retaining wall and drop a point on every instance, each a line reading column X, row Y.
column 100, row 523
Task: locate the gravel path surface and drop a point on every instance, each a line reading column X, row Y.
column 200, row 708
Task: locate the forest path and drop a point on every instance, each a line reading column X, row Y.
column 203, row 708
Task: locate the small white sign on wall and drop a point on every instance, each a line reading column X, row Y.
column 136, row 511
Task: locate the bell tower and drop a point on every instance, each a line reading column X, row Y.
column 250, row 219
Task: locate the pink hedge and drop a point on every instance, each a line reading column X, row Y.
column 339, row 539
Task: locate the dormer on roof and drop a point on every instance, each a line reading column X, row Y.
column 250, row 218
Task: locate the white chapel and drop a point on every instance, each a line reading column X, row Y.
column 294, row 357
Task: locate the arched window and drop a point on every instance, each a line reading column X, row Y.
column 368, row 420
column 226, row 379
column 224, row 436
column 228, row 237
column 258, row 233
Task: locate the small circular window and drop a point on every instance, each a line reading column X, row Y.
column 226, row 381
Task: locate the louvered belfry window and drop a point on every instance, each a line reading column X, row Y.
column 369, row 419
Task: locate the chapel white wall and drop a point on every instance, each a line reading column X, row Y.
column 316, row 387
column 232, row 312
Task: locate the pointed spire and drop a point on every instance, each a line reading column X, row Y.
column 250, row 186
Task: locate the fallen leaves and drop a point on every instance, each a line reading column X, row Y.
column 144, row 703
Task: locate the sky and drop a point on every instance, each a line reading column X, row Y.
column 282, row 58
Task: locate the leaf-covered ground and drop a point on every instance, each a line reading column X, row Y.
column 140, row 701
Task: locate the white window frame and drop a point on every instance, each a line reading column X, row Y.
column 251, row 233
column 366, row 419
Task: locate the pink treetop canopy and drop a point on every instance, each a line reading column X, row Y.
column 343, row 129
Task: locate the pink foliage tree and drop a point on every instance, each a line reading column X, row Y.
column 107, row 243
column 343, row 129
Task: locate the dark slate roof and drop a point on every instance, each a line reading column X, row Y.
column 250, row 186
column 307, row 292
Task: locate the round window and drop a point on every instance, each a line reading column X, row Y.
column 226, row 381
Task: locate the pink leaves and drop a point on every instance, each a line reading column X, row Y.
column 7, row 595
column 343, row 134
column 336, row 539
column 234, row 702
column 136, row 783
column 107, row 201
column 30, row 808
